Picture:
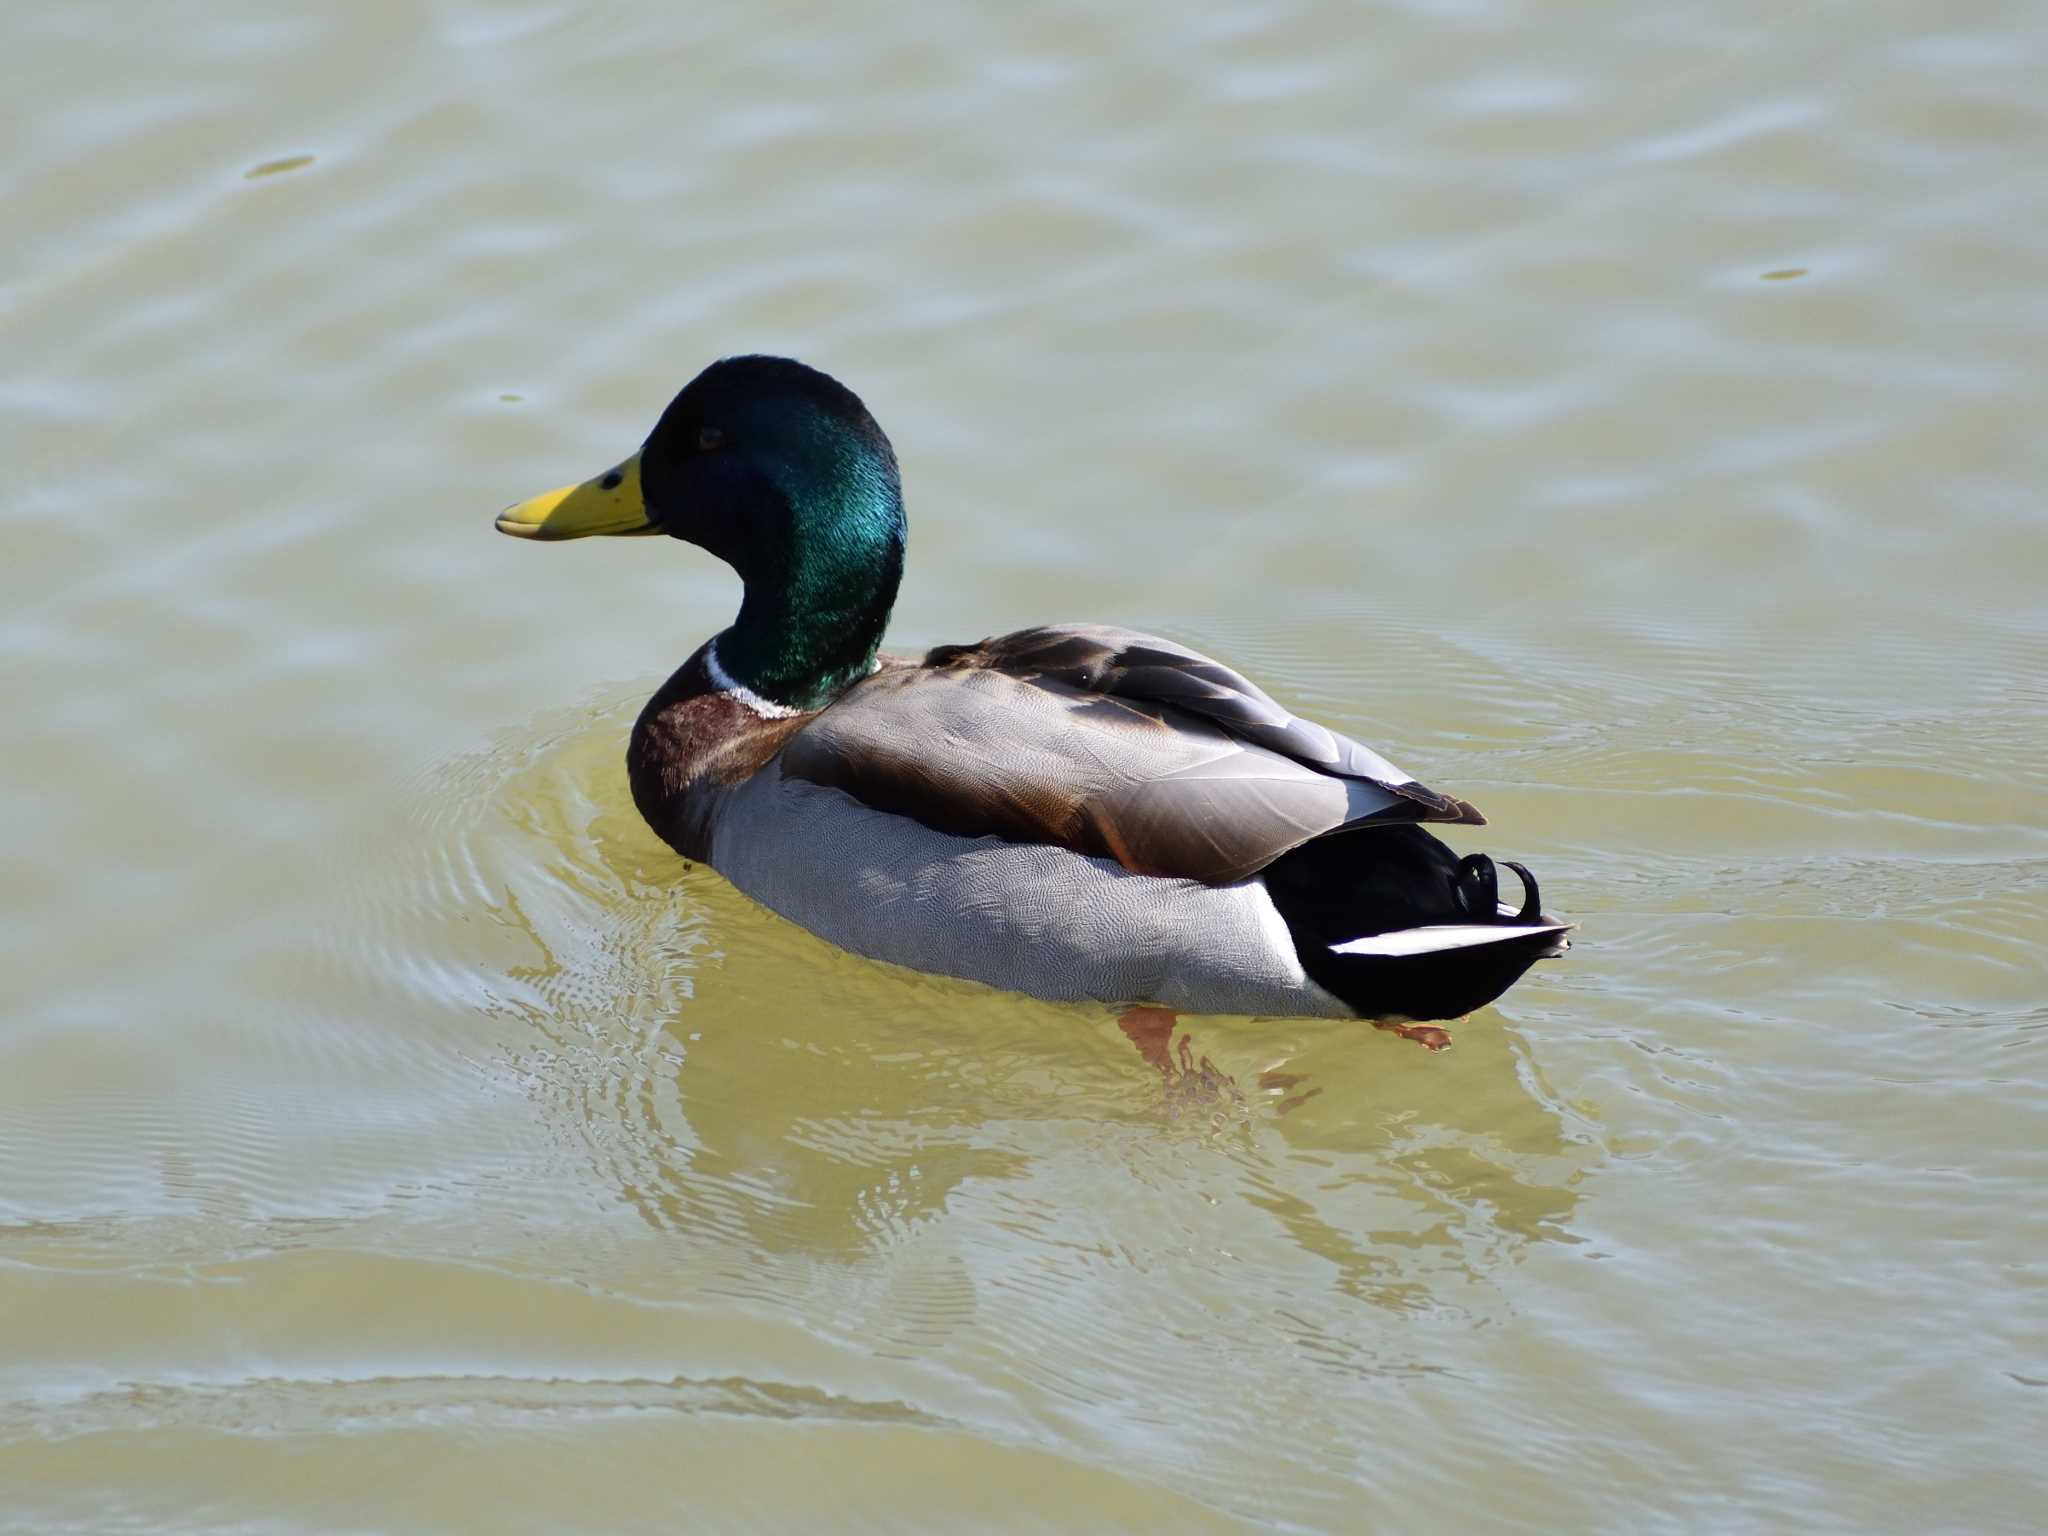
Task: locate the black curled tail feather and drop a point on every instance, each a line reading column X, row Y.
column 1477, row 889
column 1532, row 899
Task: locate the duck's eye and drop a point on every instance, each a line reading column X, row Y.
column 709, row 438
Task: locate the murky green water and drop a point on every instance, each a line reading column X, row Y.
column 1629, row 417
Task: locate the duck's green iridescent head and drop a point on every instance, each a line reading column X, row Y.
column 779, row 471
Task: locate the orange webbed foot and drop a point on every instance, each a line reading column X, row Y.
column 1431, row 1037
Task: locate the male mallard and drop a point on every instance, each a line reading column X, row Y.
column 1072, row 811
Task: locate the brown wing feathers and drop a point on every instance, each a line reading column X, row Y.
column 1122, row 663
column 1103, row 741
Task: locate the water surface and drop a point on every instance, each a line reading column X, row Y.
column 1626, row 417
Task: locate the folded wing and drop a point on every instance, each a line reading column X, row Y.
column 1110, row 743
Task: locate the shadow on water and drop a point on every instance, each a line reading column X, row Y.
column 754, row 1091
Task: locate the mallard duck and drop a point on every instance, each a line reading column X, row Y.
column 1072, row 811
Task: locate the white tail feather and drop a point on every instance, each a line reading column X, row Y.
column 1442, row 936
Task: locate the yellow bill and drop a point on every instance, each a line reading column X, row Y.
column 609, row 504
